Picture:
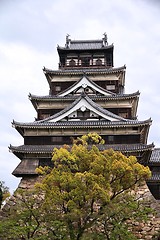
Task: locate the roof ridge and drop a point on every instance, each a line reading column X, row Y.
column 73, row 123
column 90, row 81
column 86, row 40
column 32, row 96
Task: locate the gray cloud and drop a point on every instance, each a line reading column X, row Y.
column 29, row 33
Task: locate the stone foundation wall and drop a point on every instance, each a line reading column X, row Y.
column 28, row 182
column 143, row 230
column 146, row 230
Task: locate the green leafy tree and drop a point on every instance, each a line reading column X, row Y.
column 4, row 192
column 87, row 195
column 87, row 190
column 24, row 218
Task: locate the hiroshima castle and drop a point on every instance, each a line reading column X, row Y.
column 86, row 95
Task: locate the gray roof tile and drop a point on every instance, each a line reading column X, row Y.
column 155, row 177
column 26, row 166
column 155, row 156
column 49, row 148
column 86, row 71
column 93, row 97
column 85, row 45
column 77, row 124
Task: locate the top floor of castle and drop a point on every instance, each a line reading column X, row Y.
column 78, row 54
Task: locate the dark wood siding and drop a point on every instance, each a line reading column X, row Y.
column 58, row 87
column 112, row 86
column 45, row 162
column 123, row 112
column 121, row 139
column 44, row 113
column 49, row 140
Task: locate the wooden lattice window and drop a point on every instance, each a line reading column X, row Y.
column 98, row 62
column 72, row 63
column 56, row 139
column 58, row 88
column 110, row 139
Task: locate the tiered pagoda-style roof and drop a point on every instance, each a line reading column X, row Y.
column 86, row 94
column 64, row 78
column 112, row 102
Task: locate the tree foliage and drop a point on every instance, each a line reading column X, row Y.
column 24, row 217
column 87, row 187
column 4, row 192
column 87, row 195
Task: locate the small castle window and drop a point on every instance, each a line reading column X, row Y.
column 56, row 139
column 58, row 88
column 135, row 128
column 123, row 114
column 110, row 87
column 85, row 61
column 72, row 63
column 99, row 62
column 111, row 139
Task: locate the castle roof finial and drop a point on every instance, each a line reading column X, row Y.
column 105, row 42
column 67, row 40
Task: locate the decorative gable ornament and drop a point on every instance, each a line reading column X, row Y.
column 83, row 103
column 84, row 83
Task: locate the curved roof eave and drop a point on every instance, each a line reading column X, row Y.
column 83, row 48
column 49, row 148
column 78, row 124
column 86, row 71
column 54, row 97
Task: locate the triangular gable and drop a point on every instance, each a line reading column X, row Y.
column 87, row 86
column 83, row 106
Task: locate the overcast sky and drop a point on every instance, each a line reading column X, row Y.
column 29, row 33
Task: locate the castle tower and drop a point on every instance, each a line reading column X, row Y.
column 86, row 94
